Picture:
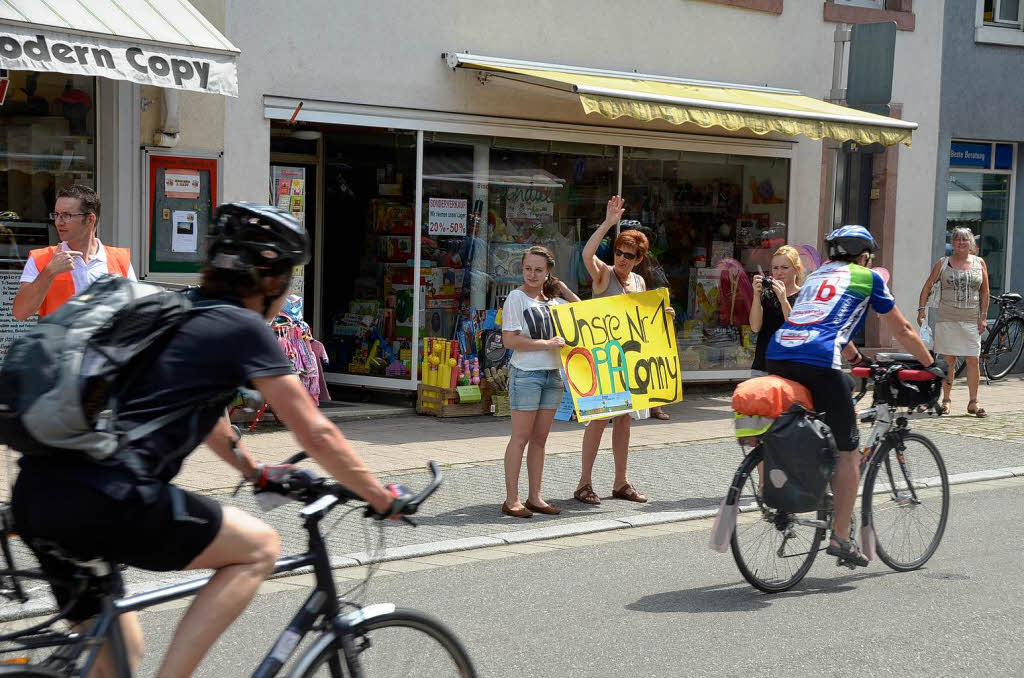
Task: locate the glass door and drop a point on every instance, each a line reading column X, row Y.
column 980, row 201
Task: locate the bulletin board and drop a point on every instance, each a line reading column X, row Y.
column 181, row 196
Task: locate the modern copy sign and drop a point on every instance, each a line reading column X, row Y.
column 620, row 353
column 29, row 49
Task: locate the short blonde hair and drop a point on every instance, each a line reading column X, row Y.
column 793, row 255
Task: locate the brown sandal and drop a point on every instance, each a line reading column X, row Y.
column 977, row 411
column 587, row 495
column 629, row 493
column 945, row 405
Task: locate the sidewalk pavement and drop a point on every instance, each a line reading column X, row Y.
column 409, row 442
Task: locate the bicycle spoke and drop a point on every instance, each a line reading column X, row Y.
column 773, row 552
column 909, row 511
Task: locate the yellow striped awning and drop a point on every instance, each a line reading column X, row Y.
column 761, row 110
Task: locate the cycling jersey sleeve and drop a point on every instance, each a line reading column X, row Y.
column 881, row 298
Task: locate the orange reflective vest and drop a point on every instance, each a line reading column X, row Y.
column 119, row 260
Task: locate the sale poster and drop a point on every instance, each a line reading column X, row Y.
column 447, row 216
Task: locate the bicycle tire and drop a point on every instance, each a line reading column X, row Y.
column 896, row 510
column 767, row 535
column 449, row 657
column 999, row 365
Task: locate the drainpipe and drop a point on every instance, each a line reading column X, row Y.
column 169, row 133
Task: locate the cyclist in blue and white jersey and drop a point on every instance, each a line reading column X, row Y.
column 810, row 346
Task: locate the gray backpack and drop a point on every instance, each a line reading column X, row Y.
column 60, row 384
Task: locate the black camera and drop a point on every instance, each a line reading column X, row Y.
column 768, row 297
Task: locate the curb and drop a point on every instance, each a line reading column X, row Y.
column 361, row 558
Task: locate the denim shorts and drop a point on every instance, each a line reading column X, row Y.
column 534, row 389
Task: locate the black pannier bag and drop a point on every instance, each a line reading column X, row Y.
column 799, row 458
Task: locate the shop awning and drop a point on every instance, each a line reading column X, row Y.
column 167, row 43
column 616, row 94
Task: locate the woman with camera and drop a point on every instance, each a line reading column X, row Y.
column 774, row 297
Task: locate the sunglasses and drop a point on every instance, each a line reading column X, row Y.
column 630, row 256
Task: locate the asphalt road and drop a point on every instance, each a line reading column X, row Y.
column 657, row 602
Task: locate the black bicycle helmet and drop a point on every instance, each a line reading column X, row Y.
column 246, row 236
column 850, row 241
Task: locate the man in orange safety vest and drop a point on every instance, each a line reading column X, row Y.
column 54, row 274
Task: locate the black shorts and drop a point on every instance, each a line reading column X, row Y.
column 830, row 389
column 84, row 523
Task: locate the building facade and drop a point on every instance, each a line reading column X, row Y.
column 979, row 145
column 421, row 175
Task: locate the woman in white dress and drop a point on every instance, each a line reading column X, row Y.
column 963, row 308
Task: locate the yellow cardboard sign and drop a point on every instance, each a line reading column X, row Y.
column 620, row 353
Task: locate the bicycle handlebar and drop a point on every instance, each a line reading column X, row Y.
column 304, row 486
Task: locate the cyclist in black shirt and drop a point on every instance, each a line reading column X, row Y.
column 127, row 510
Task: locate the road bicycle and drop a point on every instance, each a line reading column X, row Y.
column 348, row 639
column 904, row 501
column 1003, row 344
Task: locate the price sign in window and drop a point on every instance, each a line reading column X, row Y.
column 447, row 216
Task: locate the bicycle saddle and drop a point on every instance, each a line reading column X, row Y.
column 895, row 358
column 1010, row 296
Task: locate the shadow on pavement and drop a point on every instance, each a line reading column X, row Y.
column 740, row 597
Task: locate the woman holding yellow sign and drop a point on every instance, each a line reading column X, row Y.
column 630, row 248
column 535, row 383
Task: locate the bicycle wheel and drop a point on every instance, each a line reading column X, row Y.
column 773, row 549
column 400, row 643
column 907, row 492
column 1006, row 342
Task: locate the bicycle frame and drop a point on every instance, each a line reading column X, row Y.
column 322, row 603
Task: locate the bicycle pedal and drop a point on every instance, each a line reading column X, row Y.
column 846, row 563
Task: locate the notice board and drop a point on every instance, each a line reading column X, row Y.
column 182, row 192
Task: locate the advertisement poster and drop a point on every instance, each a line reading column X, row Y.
column 620, row 353
column 447, row 216
column 10, row 329
column 181, row 183
column 288, row 192
column 184, row 233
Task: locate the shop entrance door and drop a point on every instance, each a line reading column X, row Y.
column 854, row 204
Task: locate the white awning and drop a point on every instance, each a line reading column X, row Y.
column 167, row 43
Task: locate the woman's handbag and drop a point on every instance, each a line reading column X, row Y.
column 933, row 295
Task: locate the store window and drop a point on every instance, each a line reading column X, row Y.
column 485, row 200
column 368, row 261
column 981, row 202
column 713, row 221
column 978, row 198
column 1003, row 13
column 47, row 142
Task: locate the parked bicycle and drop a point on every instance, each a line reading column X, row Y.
column 350, row 639
column 905, row 497
column 1002, row 345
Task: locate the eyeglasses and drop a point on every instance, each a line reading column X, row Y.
column 630, row 256
column 66, row 216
